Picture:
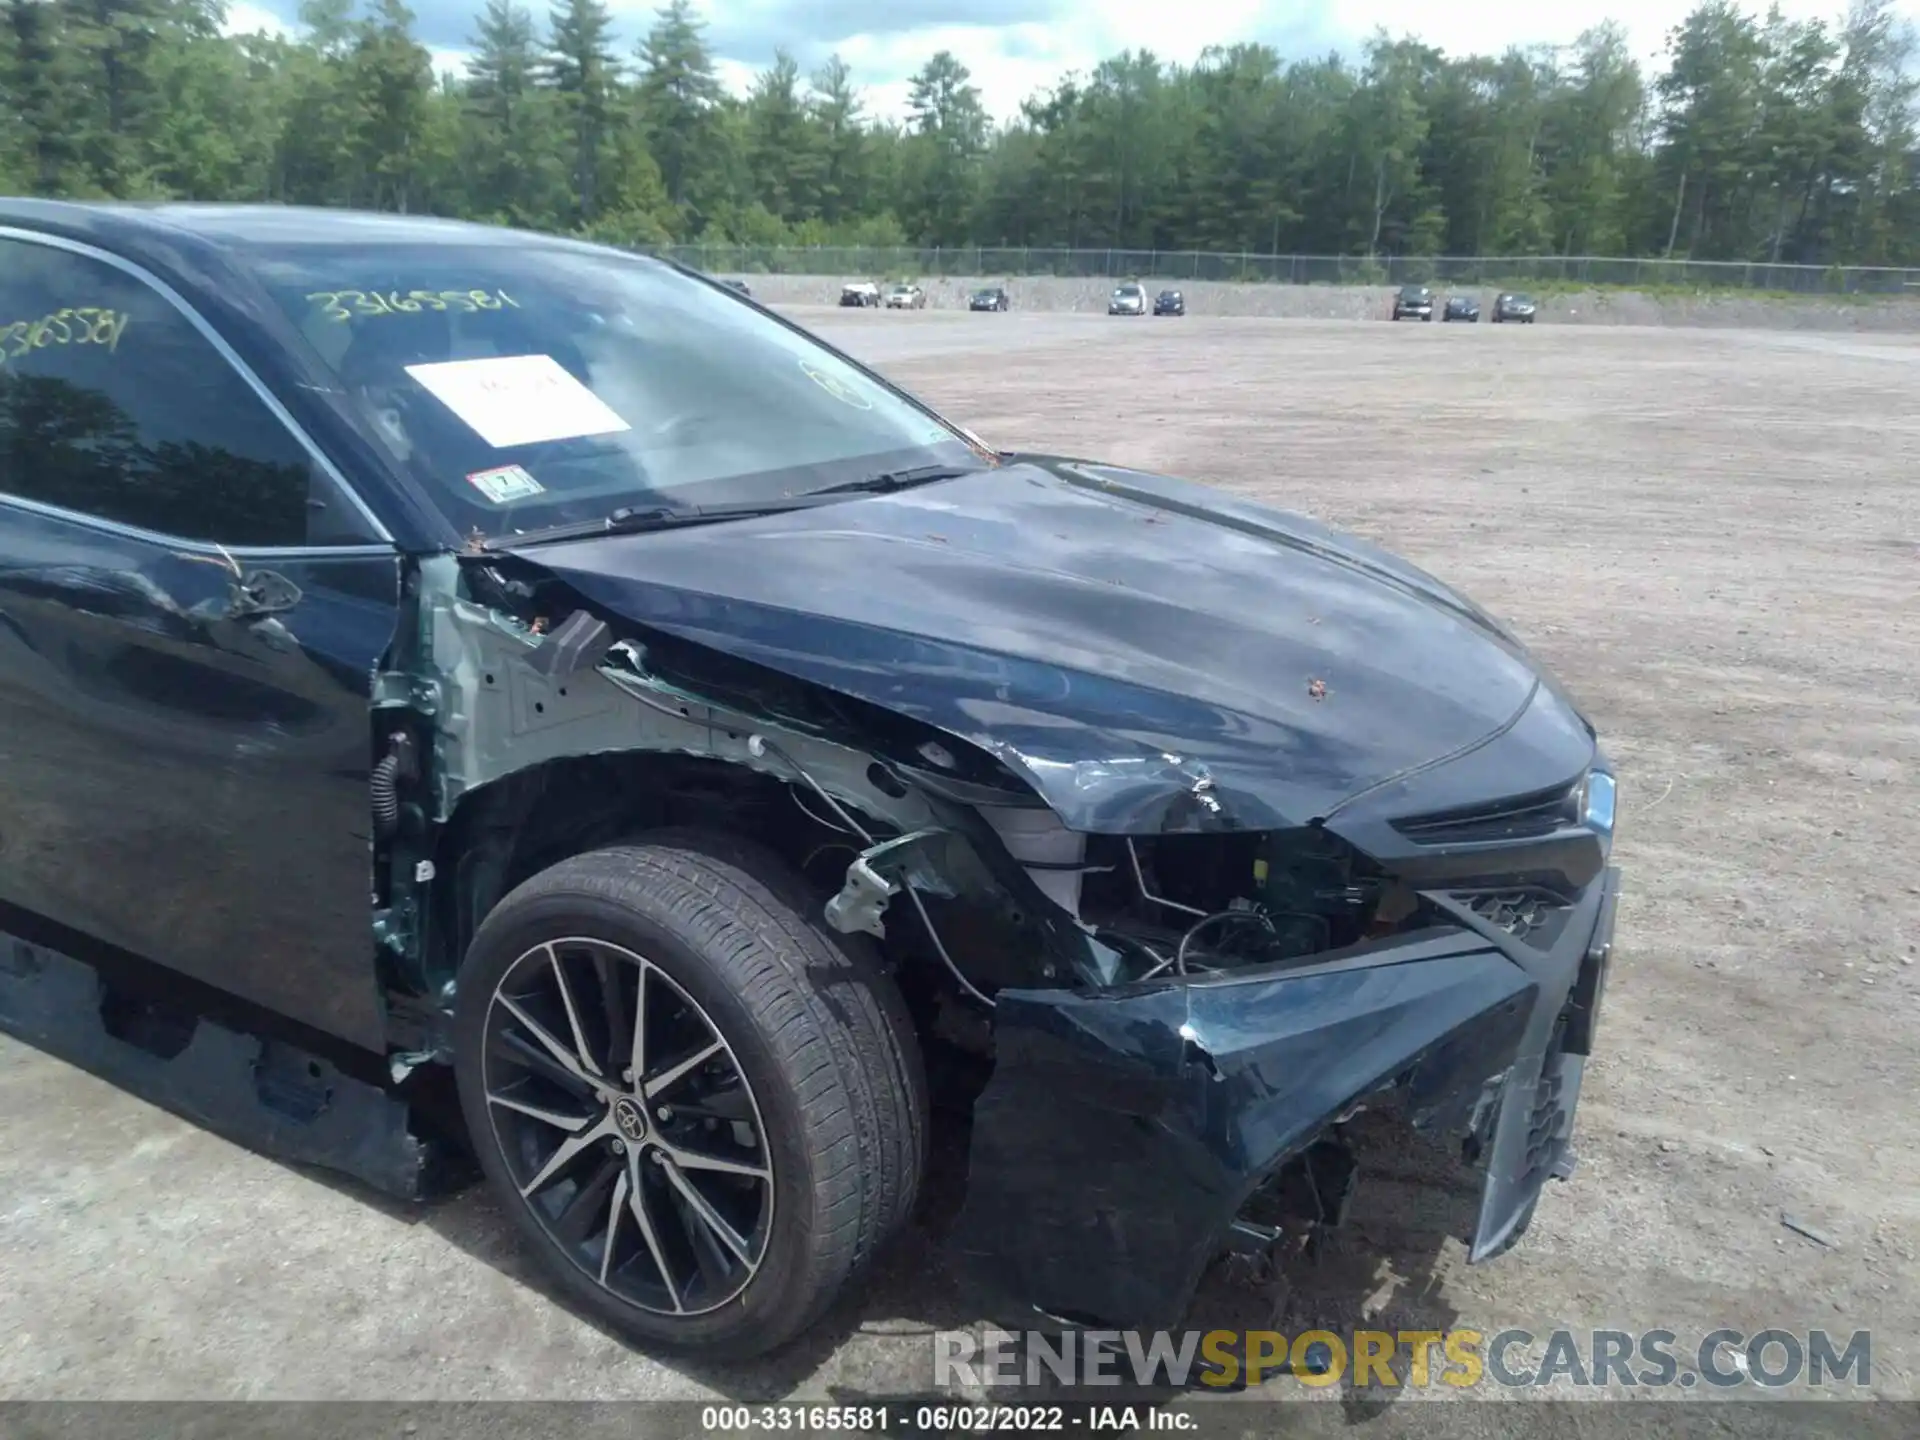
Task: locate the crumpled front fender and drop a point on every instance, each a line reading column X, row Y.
column 1123, row 1131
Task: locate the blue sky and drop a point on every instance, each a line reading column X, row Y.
column 1015, row 47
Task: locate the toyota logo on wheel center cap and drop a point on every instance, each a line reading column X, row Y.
column 631, row 1119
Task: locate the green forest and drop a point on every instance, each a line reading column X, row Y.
column 1757, row 138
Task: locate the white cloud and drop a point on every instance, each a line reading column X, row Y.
column 245, row 19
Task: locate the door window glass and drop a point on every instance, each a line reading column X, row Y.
column 114, row 405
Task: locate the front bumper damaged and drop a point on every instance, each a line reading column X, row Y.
column 1122, row 1132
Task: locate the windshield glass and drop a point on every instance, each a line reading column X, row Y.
column 1126, row 292
column 1413, row 292
column 1519, row 300
column 524, row 387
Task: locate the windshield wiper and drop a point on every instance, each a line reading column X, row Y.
column 641, row 519
column 889, row 480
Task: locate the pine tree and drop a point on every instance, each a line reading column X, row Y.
column 679, row 101
column 581, row 67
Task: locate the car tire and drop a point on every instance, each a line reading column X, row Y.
column 770, row 1172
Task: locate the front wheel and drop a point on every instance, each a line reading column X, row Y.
column 702, row 1109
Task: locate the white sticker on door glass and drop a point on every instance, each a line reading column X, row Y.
column 518, row 399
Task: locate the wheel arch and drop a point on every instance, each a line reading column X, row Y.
column 502, row 833
column 544, row 729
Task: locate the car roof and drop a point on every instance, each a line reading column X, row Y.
column 241, row 227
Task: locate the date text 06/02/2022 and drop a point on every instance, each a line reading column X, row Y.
column 938, row 1419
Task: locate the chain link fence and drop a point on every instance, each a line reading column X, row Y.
column 1514, row 271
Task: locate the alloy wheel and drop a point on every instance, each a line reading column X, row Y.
column 628, row 1126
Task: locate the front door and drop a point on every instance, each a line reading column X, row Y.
column 191, row 611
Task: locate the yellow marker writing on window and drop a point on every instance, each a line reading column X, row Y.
column 75, row 325
column 345, row 306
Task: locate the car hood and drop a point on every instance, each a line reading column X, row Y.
column 1149, row 655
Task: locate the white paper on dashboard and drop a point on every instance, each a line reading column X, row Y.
column 518, row 399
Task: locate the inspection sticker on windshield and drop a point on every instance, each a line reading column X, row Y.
column 506, row 484
column 518, row 399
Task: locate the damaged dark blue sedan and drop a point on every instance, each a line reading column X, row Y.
column 441, row 661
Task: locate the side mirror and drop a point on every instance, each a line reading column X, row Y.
column 261, row 592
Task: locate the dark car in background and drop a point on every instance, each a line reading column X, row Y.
column 438, row 663
column 1413, row 302
column 1128, row 299
column 1462, row 307
column 740, row 285
column 995, row 298
column 1512, row 308
column 1170, row 302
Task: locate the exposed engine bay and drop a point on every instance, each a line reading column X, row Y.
column 1206, row 903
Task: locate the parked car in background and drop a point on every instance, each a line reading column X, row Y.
column 740, row 285
column 1169, row 302
column 1128, row 299
column 1462, row 307
column 994, row 298
column 906, row 296
column 860, row 293
column 1513, row 309
column 1414, row 302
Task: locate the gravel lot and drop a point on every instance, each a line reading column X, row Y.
column 1714, row 537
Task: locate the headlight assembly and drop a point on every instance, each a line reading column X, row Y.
column 1597, row 797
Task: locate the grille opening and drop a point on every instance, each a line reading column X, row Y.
column 1520, row 817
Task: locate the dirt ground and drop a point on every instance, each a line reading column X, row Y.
column 1713, row 536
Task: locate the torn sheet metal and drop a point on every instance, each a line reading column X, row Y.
column 502, row 698
column 1126, row 1129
